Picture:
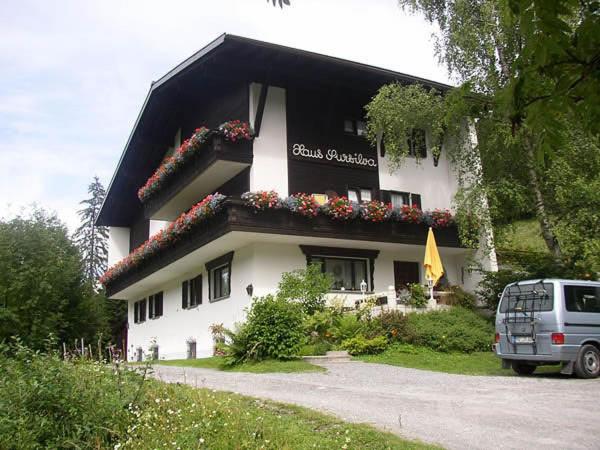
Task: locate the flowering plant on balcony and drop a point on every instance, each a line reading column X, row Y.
column 438, row 218
column 340, row 208
column 262, row 200
column 171, row 164
column 375, row 211
column 235, row 130
column 232, row 131
column 302, row 204
column 184, row 223
column 408, row 214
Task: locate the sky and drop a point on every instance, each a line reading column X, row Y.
column 74, row 74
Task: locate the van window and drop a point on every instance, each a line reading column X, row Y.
column 584, row 299
column 527, row 298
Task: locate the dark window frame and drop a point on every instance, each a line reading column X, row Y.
column 570, row 300
column 411, row 198
column 155, row 305
column 354, row 131
column 314, row 251
column 212, row 267
column 359, row 193
column 191, row 292
column 353, row 280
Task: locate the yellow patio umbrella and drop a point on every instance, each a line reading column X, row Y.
column 433, row 263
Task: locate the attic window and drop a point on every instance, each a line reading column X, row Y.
column 355, row 127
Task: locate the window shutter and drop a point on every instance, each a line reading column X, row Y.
column 184, row 294
column 136, row 312
column 158, row 304
column 416, row 200
column 198, row 290
column 143, row 310
column 151, row 307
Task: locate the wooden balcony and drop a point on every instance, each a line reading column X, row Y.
column 218, row 162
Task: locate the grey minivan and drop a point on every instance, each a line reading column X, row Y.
column 543, row 322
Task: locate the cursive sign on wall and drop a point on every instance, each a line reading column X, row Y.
column 300, row 151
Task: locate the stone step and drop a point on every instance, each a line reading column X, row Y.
column 334, row 356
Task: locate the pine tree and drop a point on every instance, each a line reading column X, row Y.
column 92, row 240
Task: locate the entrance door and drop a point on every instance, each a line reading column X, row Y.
column 405, row 273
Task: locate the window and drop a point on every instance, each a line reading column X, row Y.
column 219, row 277
column 139, row 311
column 417, row 144
column 399, row 199
column 155, row 305
column 359, row 195
column 585, row 299
column 347, row 266
column 347, row 273
column 355, row 127
column 191, row 292
column 527, row 297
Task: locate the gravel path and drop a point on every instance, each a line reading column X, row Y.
column 455, row 411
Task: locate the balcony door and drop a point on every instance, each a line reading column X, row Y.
column 405, row 273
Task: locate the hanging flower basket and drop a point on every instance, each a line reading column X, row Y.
column 438, row 218
column 408, row 214
column 262, row 200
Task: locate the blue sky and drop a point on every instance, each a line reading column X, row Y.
column 75, row 74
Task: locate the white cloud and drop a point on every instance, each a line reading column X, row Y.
column 74, row 74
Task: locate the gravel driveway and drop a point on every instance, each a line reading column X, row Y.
column 455, row 411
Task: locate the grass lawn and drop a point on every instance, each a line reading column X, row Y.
column 184, row 417
column 522, row 235
column 268, row 366
column 480, row 363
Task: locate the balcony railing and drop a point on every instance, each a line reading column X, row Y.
column 235, row 216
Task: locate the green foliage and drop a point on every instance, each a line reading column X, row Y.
column 42, row 287
column 393, row 324
column 48, row 403
column 459, row 297
column 360, row 345
column 418, row 295
column 92, row 240
column 455, row 330
column 319, row 348
column 346, row 327
column 397, row 110
column 265, row 366
column 274, row 329
column 307, row 286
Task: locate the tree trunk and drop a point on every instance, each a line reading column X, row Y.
column 540, row 206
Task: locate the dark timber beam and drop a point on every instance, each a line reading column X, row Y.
column 262, row 99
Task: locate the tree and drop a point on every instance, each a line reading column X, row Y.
column 525, row 91
column 306, row 286
column 43, row 291
column 92, row 239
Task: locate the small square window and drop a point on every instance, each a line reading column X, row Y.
column 219, row 277
column 360, row 128
column 353, row 195
column 365, row 195
column 349, row 126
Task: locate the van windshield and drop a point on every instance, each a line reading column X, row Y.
column 527, row 298
column 584, row 299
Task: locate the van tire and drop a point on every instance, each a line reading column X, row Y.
column 522, row 368
column 587, row 364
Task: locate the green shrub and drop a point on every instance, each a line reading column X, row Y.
column 48, row 403
column 319, row 348
column 459, row 297
column 346, row 326
column 306, row 286
column 360, row 345
column 392, row 324
column 492, row 284
column 418, row 296
column 455, row 330
column 274, row 329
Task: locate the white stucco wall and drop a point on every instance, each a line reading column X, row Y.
column 118, row 244
column 157, row 225
column 261, row 265
column 436, row 185
column 269, row 168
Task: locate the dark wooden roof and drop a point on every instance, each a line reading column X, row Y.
column 228, row 58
